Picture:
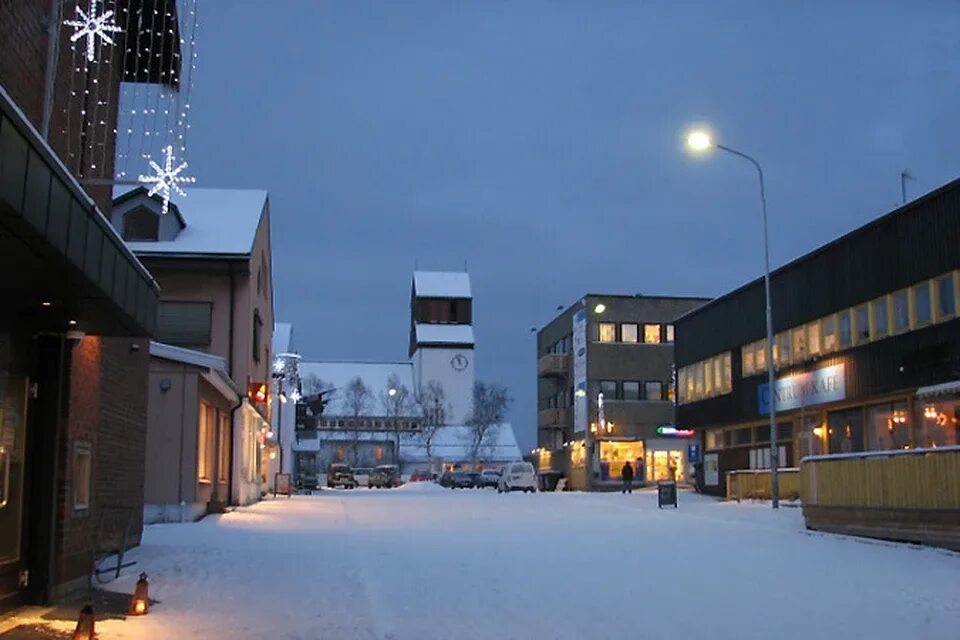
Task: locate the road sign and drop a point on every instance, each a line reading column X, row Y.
column 693, row 453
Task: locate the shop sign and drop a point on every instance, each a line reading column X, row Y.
column 693, row 453
column 670, row 431
column 580, row 371
column 258, row 392
column 804, row 389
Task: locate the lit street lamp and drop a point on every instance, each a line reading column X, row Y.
column 699, row 140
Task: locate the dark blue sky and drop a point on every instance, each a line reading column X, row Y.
column 542, row 143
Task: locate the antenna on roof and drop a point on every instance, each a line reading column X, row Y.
column 904, row 176
column 465, row 266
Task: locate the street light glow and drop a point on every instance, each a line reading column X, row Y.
column 392, row 392
column 699, row 140
column 600, row 308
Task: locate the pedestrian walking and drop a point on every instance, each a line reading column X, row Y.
column 626, row 474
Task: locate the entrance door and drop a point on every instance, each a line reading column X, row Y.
column 665, row 465
column 13, row 404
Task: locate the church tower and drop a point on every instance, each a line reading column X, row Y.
column 441, row 337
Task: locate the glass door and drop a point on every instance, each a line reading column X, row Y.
column 13, row 402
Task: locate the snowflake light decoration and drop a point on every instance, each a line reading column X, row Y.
column 166, row 178
column 91, row 26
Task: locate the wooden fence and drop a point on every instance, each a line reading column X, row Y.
column 754, row 484
column 909, row 495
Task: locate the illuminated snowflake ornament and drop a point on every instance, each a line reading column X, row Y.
column 91, row 26
column 166, row 178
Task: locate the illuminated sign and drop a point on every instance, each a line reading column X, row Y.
column 671, row 431
column 258, row 392
column 804, row 389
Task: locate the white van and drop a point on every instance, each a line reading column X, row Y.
column 517, row 475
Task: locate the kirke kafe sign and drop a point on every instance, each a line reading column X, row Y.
column 804, row 389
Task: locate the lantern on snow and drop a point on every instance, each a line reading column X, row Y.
column 85, row 624
column 140, row 603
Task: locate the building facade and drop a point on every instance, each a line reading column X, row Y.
column 211, row 255
column 605, row 385
column 78, row 309
column 866, row 348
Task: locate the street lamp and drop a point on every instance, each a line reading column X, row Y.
column 699, row 140
column 392, row 392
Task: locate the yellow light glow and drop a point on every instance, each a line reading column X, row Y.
column 273, row 455
column 600, row 308
column 139, row 607
column 818, row 431
column 699, row 140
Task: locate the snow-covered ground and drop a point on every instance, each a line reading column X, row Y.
column 423, row 562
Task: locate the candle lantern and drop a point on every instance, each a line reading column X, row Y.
column 85, row 625
column 140, row 603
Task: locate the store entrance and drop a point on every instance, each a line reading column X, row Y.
column 13, row 405
column 665, row 465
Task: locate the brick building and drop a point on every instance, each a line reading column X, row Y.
column 75, row 320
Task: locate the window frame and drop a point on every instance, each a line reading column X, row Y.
column 834, row 322
column 892, row 304
column 940, row 316
column 669, row 334
column 915, row 320
column 861, row 336
column 600, row 328
column 611, row 396
column 646, row 394
column 623, row 333
column 206, row 417
column 659, row 333
column 814, row 334
column 623, row 386
column 82, row 486
column 879, row 314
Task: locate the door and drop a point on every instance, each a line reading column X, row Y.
column 13, row 403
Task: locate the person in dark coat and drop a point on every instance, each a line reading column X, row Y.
column 627, row 475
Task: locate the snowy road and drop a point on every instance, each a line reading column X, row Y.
column 423, row 563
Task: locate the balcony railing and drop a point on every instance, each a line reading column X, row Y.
column 553, row 418
column 553, row 364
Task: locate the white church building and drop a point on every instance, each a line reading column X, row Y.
column 382, row 423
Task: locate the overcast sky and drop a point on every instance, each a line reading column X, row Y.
column 540, row 142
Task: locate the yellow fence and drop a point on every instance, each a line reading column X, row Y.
column 917, row 479
column 754, row 484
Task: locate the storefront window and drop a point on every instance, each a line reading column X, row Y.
column 783, row 348
column 863, row 324
column 946, row 302
column 613, row 455
column 879, row 309
column 714, row 439
column 608, row 332
column 940, row 424
column 810, row 439
column 846, row 335
column 829, row 327
column 813, row 338
column 921, row 304
column 748, row 362
column 799, row 336
column 665, row 465
column 888, row 427
column 760, row 355
column 901, row 312
column 845, row 430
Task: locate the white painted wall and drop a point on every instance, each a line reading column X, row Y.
column 433, row 363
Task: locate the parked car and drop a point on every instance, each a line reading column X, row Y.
column 362, row 476
column 489, row 478
column 456, row 480
column 475, row 481
column 518, row 476
column 308, row 482
column 385, row 476
column 421, row 475
column 340, row 475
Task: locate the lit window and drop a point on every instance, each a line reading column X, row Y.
column 760, row 355
column 747, row 356
column 631, row 390
column 813, row 338
column 671, row 392
column 82, row 471
column 714, row 439
column 608, row 332
column 223, row 468
column 946, row 302
column 718, row 377
column 669, row 333
column 698, row 380
column 901, row 312
column 708, row 378
column 727, row 373
column 879, row 311
column 628, row 333
column 799, row 337
column 844, row 329
column 651, row 333
column 205, row 443
column 653, row 390
column 783, row 342
column 862, row 316
column 828, row 328
column 921, row 304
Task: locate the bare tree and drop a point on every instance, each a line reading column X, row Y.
column 312, row 384
column 490, row 403
column 356, row 399
column 434, row 409
column 395, row 401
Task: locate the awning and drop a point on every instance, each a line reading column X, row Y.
column 937, row 390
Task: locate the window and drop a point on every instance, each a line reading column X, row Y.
column 715, row 439
column 813, row 338
column 631, row 390
column 651, row 333
column 921, row 304
column 760, row 355
column 257, row 332
column 879, row 311
column 862, row 317
column 671, row 392
column 727, row 373
column 628, row 332
column 946, row 302
column 828, row 327
column 718, row 383
column 799, row 338
column 888, row 427
column 141, row 225
column 223, row 468
column 609, row 389
column 82, row 473
column 845, row 329
column 205, row 443
column 901, row 312
column 653, row 390
column 747, row 359
column 783, row 349
column 608, row 332
column 708, row 378
column 698, row 380
column 669, row 329
column 184, row 324
column 741, row 436
column 845, row 431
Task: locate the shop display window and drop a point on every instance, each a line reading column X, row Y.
column 613, row 455
column 940, row 423
column 888, row 427
column 845, row 431
column 665, row 465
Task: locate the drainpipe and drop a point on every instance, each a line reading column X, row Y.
column 183, row 415
column 233, row 411
column 55, row 472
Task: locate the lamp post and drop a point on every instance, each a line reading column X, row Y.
column 699, row 140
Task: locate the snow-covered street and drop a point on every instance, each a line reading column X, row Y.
column 423, row 562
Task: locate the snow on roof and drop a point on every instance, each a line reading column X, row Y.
column 947, row 388
column 444, row 334
column 282, row 337
column 374, row 374
column 441, row 284
column 187, row 356
column 219, row 222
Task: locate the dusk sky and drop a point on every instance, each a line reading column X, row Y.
column 541, row 142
